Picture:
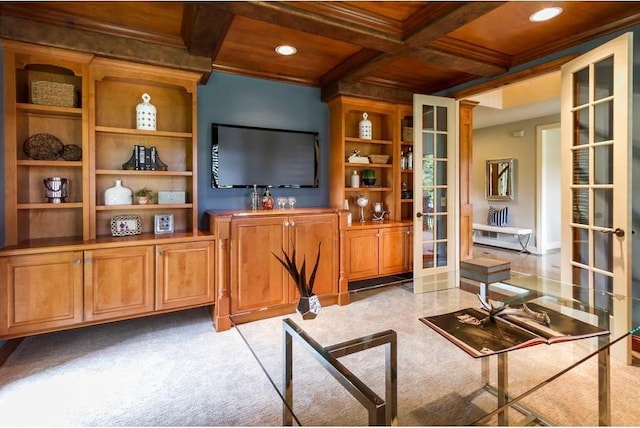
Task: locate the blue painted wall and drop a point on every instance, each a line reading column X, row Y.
column 237, row 100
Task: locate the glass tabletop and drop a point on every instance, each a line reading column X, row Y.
column 324, row 371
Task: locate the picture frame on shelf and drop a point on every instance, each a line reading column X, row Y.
column 163, row 223
column 126, row 225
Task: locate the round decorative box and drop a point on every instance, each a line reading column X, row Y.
column 118, row 195
column 146, row 114
column 364, row 127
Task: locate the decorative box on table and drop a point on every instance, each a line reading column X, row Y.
column 485, row 270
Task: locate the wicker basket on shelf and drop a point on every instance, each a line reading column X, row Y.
column 53, row 94
column 379, row 158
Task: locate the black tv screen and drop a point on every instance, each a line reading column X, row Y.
column 242, row 156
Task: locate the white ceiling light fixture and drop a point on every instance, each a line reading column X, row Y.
column 286, row 50
column 545, row 14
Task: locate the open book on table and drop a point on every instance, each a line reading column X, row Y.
column 507, row 332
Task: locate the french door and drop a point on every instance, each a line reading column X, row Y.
column 435, row 186
column 596, row 200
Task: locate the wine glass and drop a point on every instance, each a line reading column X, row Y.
column 292, row 201
column 281, row 202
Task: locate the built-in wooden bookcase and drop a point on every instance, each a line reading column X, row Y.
column 28, row 217
column 346, row 114
column 386, row 121
column 371, row 248
column 116, row 89
column 61, row 267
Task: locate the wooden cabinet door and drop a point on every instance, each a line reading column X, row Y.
column 361, row 254
column 119, row 282
column 258, row 280
column 40, row 292
column 394, row 250
column 184, row 274
column 305, row 232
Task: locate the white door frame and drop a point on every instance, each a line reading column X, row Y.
column 542, row 244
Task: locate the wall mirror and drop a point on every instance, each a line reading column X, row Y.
column 499, row 181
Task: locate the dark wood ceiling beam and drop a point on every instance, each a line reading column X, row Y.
column 446, row 23
column 204, row 28
column 361, row 57
column 100, row 44
column 367, row 90
column 40, row 13
column 346, row 12
column 456, row 62
column 286, row 14
column 471, row 51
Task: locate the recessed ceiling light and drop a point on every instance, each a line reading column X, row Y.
column 545, row 14
column 286, row 50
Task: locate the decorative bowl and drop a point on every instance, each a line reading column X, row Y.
column 379, row 159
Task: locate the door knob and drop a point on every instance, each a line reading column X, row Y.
column 617, row 231
column 419, row 215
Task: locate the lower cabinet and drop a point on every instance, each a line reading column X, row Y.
column 118, row 282
column 40, row 292
column 257, row 280
column 58, row 290
column 372, row 252
column 184, row 274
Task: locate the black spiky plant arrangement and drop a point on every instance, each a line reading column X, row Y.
column 308, row 304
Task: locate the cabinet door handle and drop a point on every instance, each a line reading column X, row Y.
column 285, row 223
column 87, row 260
column 293, row 223
column 159, row 253
column 76, row 262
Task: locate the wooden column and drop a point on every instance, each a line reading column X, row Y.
column 220, row 226
column 466, row 163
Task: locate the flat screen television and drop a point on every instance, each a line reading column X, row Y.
column 242, row 156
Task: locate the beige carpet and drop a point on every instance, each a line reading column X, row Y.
column 175, row 370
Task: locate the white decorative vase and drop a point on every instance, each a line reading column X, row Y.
column 118, row 195
column 364, row 127
column 146, row 114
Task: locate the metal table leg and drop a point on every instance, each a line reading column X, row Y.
column 604, row 386
column 503, row 385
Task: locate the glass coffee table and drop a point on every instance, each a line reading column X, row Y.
column 374, row 362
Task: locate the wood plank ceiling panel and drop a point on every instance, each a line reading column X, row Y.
column 512, row 33
column 249, row 43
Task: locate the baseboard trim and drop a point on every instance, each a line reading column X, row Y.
column 7, row 349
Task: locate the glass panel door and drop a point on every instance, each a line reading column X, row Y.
column 596, row 200
column 435, row 191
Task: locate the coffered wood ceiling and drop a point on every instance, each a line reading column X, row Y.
column 379, row 49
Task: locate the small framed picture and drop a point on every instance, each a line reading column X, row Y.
column 164, row 223
column 124, row 225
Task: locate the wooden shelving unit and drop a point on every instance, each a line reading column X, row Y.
column 361, row 255
column 61, row 267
